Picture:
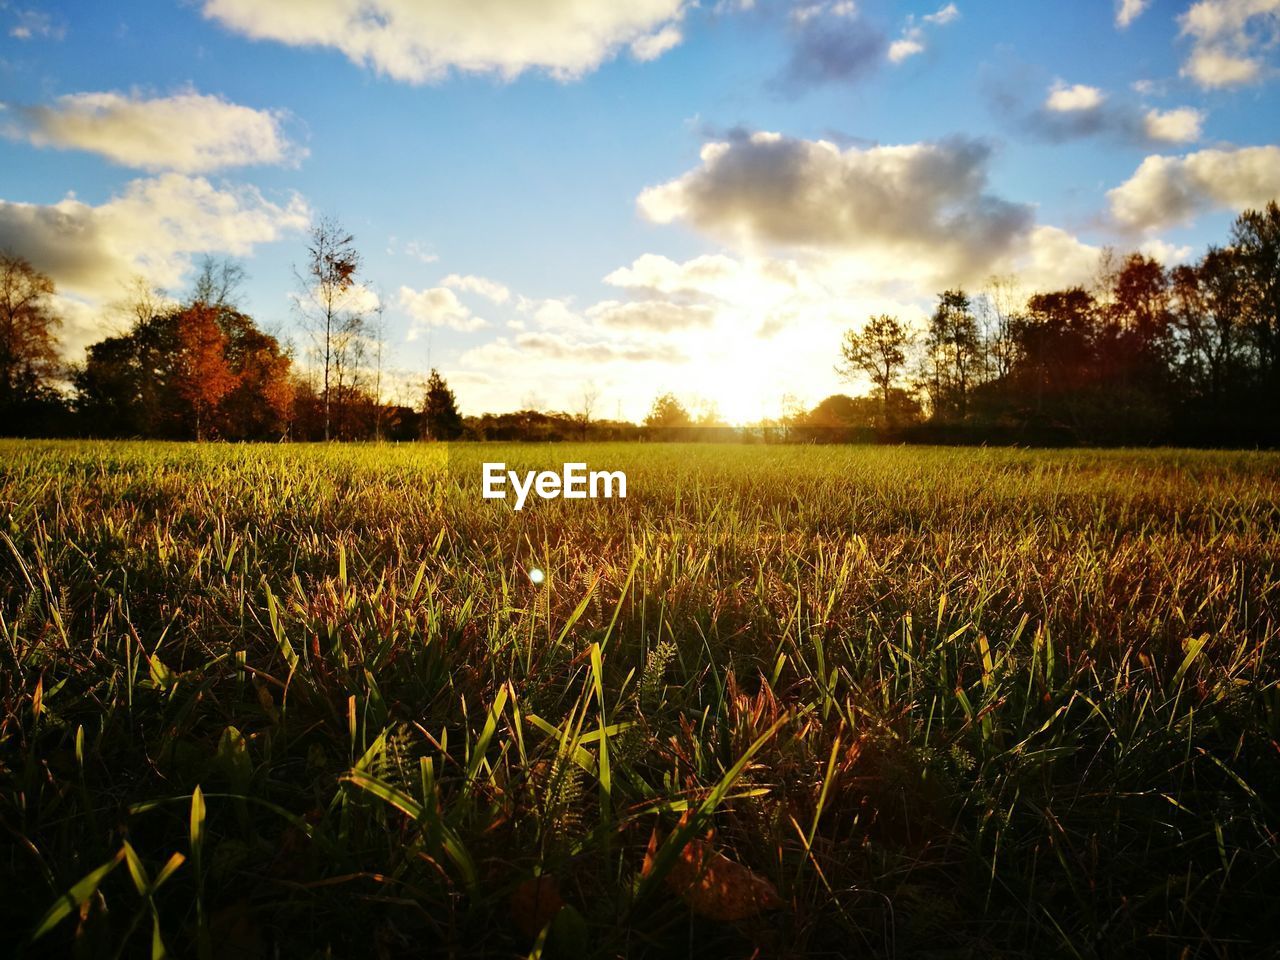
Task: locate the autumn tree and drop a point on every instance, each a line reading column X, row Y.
column 260, row 406
column 440, row 417
column 330, row 304
column 189, row 370
column 202, row 375
column 878, row 351
column 28, row 336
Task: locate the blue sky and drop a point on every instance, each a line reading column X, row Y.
column 917, row 145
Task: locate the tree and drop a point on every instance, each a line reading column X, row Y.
column 1255, row 236
column 586, row 407
column 190, row 371
column 328, row 304
column 952, row 353
column 1208, row 302
column 440, row 417
column 28, row 344
column 203, row 375
column 998, row 307
column 261, row 405
column 879, row 351
column 666, row 412
column 378, row 334
column 218, row 282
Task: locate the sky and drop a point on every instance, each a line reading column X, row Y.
column 556, row 196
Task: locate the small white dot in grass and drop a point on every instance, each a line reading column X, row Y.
column 536, row 576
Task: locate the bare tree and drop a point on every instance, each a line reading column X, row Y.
column 377, row 328
column 219, row 282
column 139, row 302
column 329, row 283
column 350, row 350
column 586, row 407
column 999, row 306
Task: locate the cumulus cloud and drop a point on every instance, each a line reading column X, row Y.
column 653, row 45
column 419, row 42
column 1053, row 259
column 506, row 352
column 912, row 40
column 922, row 205
column 1167, row 253
column 153, row 228
column 943, row 15
column 1073, row 111
column 437, row 307
column 831, row 43
column 654, row 275
column 1073, row 99
column 1181, row 125
column 1166, row 191
column 654, row 316
column 1128, row 11
column 187, row 132
column 1226, row 38
column 489, row 289
column 908, row 45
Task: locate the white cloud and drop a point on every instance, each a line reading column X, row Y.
column 1074, row 111
column 921, row 208
column 654, row 275
column 489, row 289
column 537, row 359
column 1053, row 259
column 912, row 40
column 1226, row 36
column 153, row 228
column 1128, row 11
column 654, row 316
column 437, row 307
column 654, row 45
column 908, row 46
column 1165, row 191
column 28, row 24
column 187, row 132
column 1070, row 99
column 1216, row 68
column 1166, row 253
column 1181, row 125
column 944, row 15
column 420, row 42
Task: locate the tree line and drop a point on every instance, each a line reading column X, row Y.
column 200, row 368
column 1145, row 354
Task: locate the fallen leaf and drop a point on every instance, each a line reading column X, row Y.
column 534, row 903
column 719, row 888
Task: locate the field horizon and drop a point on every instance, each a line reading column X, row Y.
column 307, row 700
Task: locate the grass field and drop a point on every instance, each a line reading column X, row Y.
column 305, row 701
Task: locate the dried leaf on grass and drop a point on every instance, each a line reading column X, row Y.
column 535, row 903
column 714, row 886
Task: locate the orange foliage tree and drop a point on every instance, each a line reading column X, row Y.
column 204, row 375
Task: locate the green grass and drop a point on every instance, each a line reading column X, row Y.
column 304, row 701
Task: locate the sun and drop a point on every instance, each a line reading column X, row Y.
column 741, row 387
